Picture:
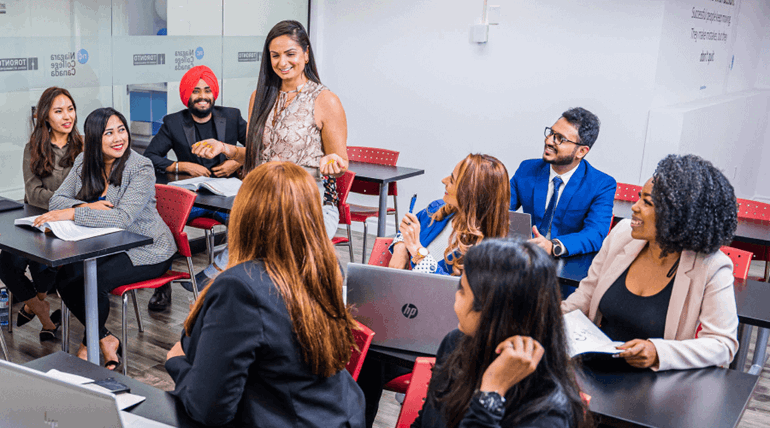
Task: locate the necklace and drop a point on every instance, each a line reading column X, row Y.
column 672, row 271
column 283, row 101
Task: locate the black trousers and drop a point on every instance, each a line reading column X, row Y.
column 111, row 272
column 12, row 268
column 372, row 378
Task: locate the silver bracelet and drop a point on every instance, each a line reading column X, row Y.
column 176, row 168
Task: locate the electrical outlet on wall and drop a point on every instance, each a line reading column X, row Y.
column 493, row 15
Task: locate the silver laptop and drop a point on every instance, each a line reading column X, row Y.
column 520, row 224
column 406, row 310
column 32, row 399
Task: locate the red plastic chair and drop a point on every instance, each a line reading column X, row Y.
column 208, row 225
column 360, row 212
column 417, row 391
column 627, row 192
column 344, row 184
column 380, row 255
column 741, row 261
column 363, row 337
column 754, row 212
column 174, row 204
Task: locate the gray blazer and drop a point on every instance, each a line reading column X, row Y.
column 134, row 208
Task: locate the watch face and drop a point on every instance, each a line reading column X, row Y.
column 423, row 251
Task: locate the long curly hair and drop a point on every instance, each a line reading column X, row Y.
column 695, row 206
column 484, row 197
column 277, row 219
column 516, row 292
column 40, row 139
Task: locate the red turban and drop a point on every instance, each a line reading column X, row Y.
column 190, row 81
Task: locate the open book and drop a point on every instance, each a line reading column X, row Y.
column 217, row 186
column 584, row 337
column 66, row 229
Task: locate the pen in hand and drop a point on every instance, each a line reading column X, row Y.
column 411, row 204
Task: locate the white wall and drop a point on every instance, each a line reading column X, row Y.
column 410, row 80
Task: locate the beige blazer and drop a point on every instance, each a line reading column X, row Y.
column 703, row 294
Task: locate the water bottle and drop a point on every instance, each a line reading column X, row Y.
column 3, row 307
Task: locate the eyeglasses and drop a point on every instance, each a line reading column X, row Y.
column 558, row 138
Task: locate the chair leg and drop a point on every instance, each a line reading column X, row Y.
column 363, row 249
column 4, row 346
column 350, row 243
column 191, row 269
column 767, row 271
column 124, row 333
column 210, row 245
column 395, row 211
column 65, row 323
column 136, row 309
column 10, row 311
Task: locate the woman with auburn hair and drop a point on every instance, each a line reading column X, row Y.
column 267, row 342
column 507, row 364
column 474, row 207
column 48, row 158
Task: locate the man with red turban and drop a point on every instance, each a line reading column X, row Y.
column 200, row 121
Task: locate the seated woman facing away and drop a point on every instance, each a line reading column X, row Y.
column 660, row 276
column 507, row 365
column 474, row 207
column 110, row 185
column 267, row 342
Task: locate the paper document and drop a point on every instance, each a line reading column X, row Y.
column 584, row 337
column 218, row 186
column 66, row 230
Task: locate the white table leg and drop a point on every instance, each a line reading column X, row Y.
column 92, row 311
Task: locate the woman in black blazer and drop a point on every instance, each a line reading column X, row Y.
column 267, row 342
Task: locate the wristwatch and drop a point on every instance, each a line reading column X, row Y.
column 558, row 248
column 421, row 253
column 491, row 401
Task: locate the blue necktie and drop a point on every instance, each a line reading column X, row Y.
column 545, row 226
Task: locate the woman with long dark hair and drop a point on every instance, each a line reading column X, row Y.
column 267, row 342
column 48, row 158
column 110, row 185
column 292, row 117
column 475, row 206
column 507, row 365
column 659, row 283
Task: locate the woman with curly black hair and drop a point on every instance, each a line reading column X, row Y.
column 660, row 276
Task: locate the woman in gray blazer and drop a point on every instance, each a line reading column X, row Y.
column 110, row 186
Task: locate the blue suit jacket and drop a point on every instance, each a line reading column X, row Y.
column 583, row 215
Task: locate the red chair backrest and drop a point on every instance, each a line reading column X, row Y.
column 741, row 261
column 363, row 338
column 417, row 391
column 380, row 255
column 344, row 184
column 627, row 192
column 752, row 210
column 174, row 205
column 375, row 156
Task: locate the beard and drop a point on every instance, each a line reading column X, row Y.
column 563, row 159
column 195, row 111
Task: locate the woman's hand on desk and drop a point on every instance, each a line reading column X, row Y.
column 57, row 215
column 518, row 358
column 176, row 351
column 639, row 353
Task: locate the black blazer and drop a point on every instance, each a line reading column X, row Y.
column 178, row 133
column 243, row 365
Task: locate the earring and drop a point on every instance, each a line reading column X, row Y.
column 307, row 61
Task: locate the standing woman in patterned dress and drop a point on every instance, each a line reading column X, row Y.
column 292, row 117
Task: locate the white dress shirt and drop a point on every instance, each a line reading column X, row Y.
column 565, row 179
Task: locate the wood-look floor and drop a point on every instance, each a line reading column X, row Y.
column 147, row 351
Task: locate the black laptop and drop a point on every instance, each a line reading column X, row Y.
column 9, row 204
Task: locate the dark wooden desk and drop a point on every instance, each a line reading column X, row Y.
column 54, row 252
column 159, row 405
column 383, row 175
column 711, row 397
column 203, row 199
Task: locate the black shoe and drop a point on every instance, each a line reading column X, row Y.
column 112, row 364
column 46, row 334
column 161, row 299
column 201, row 280
column 24, row 317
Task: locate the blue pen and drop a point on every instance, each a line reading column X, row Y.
column 411, row 204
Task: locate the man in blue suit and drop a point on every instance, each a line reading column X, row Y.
column 569, row 200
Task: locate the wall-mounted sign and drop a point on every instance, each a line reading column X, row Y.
column 18, row 64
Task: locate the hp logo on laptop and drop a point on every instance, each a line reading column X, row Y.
column 409, row 310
